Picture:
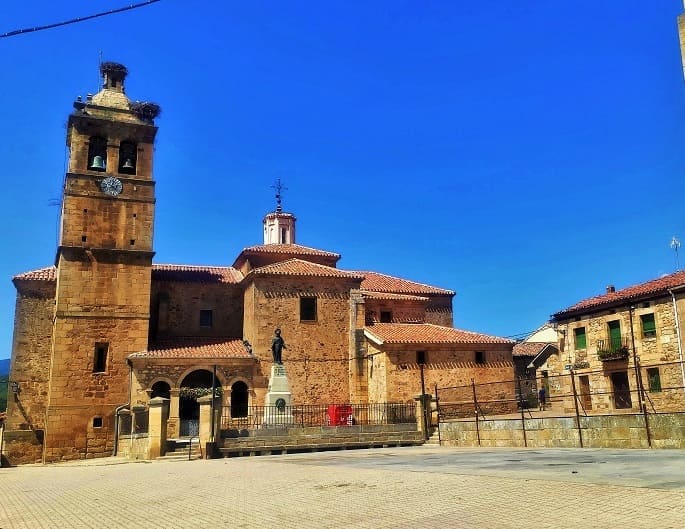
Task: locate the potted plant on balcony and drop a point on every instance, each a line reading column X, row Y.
column 620, row 353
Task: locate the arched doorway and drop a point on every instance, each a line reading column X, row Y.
column 195, row 385
column 160, row 389
column 239, row 399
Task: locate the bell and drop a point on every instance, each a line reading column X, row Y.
column 128, row 164
column 98, row 163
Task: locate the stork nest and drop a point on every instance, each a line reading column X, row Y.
column 146, row 110
column 113, row 68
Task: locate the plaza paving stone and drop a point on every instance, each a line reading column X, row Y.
column 421, row 487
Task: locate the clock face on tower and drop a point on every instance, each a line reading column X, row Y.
column 111, row 186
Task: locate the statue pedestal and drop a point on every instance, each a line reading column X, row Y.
column 278, row 400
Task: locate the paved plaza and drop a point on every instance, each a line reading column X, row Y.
column 413, row 488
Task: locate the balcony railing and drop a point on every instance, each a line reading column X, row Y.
column 613, row 349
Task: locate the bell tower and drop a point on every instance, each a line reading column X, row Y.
column 104, row 262
column 279, row 227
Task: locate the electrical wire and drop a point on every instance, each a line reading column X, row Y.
column 77, row 19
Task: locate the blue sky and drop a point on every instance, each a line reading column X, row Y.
column 525, row 154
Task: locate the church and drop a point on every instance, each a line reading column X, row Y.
column 105, row 328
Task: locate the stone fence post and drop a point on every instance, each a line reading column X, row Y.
column 206, row 434
column 157, row 427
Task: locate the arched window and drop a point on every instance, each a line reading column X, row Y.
column 239, row 399
column 128, row 157
column 97, row 153
column 161, row 389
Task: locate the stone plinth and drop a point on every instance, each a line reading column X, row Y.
column 278, row 400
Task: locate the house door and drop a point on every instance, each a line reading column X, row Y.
column 585, row 398
column 621, row 387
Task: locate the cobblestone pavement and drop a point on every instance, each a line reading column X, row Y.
column 423, row 487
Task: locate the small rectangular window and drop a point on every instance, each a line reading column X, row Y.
column 580, row 339
column 654, row 379
column 386, row 316
column 480, row 357
column 100, row 357
column 421, row 358
column 97, row 422
column 648, row 325
column 307, row 309
column 206, row 317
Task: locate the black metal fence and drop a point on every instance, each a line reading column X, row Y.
column 258, row 417
column 620, row 387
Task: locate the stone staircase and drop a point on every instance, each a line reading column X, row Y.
column 177, row 450
column 434, row 439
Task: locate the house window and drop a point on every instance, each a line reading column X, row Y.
column 97, row 422
column 421, row 358
column 654, row 379
column 580, row 338
column 386, row 316
column 100, row 357
column 205, row 318
column 648, row 325
column 480, row 357
column 307, row 309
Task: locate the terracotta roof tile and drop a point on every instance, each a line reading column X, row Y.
column 373, row 281
column 425, row 333
column 42, row 274
column 298, row 267
column 195, row 274
column 195, row 347
column 530, row 348
column 390, row 296
column 293, row 249
column 651, row 288
column 160, row 272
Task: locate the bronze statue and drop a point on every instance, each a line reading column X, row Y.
column 277, row 345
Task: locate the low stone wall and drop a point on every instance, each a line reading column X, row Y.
column 283, row 440
column 134, row 447
column 606, row 431
column 21, row 447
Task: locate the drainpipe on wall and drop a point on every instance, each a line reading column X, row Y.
column 680, row 344
column 122, row 407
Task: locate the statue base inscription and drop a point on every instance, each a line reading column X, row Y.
column 277, row 411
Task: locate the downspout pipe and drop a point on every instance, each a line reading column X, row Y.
column 677, row 330
column 122, row 407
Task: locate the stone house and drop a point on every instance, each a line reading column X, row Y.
column 621, row 341
column 105, row 329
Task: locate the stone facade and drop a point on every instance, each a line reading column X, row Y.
column 394, row 374
column 106, row 330
column 317, row 353
column 646, row 328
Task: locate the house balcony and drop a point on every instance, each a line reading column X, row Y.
column 613, row 349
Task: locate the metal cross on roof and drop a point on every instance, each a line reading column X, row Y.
column 279, row 189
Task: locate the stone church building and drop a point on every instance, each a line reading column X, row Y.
column 105, row 328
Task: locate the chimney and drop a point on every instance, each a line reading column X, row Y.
column 610, row 289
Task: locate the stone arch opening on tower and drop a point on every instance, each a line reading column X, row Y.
column 128, row 157
column 97, row 153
